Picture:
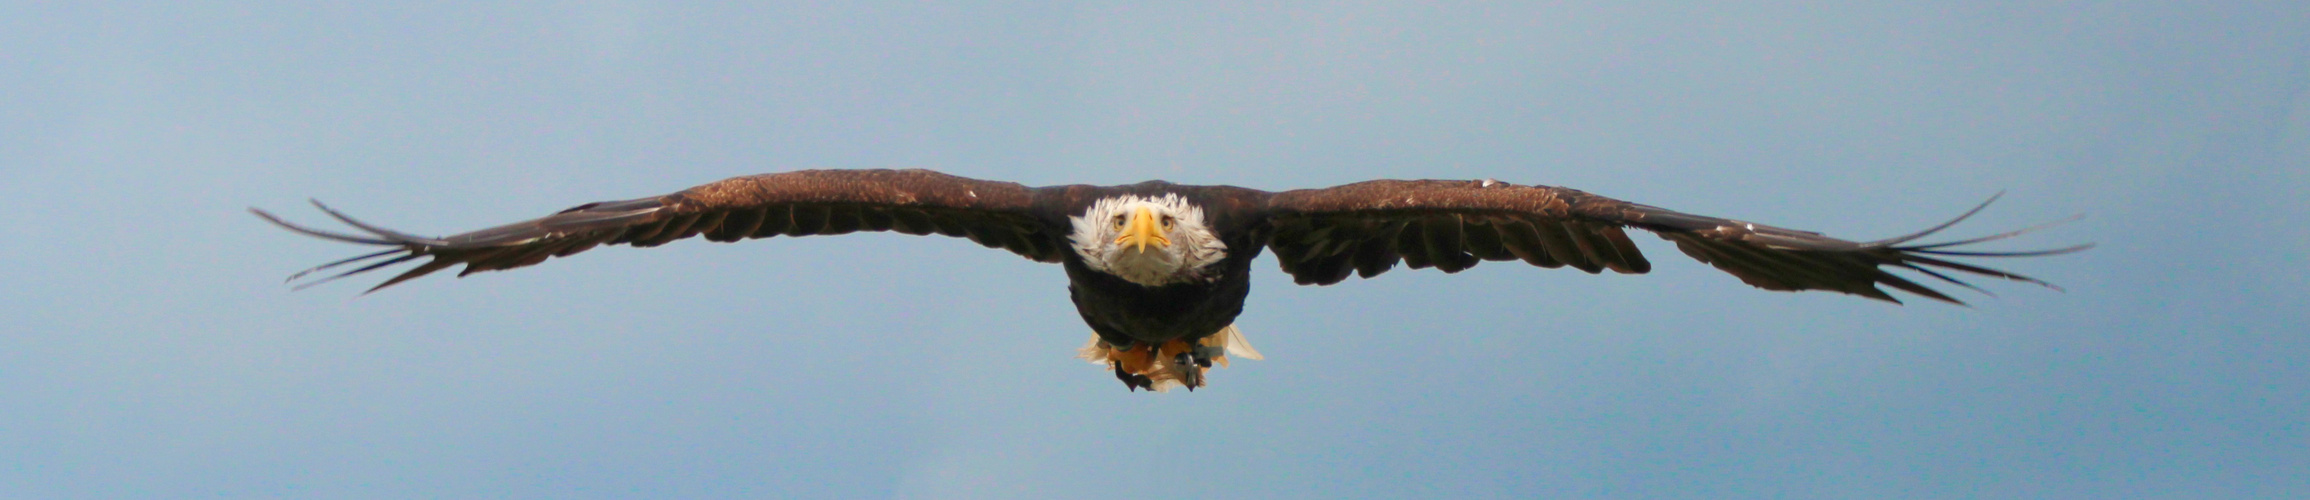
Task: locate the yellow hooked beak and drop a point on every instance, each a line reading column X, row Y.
column 1142, row 230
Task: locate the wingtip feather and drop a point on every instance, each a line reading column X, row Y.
column 1937, row 228
column 395, row 236
column 326, row 235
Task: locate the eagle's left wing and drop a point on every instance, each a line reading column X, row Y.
column 1322, row 235
column 803, row 203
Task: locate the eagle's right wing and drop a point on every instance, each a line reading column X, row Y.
column 803, row 203
column 1321, row 236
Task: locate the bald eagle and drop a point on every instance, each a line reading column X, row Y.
column 1160, row 271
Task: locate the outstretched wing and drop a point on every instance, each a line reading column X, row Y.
column 803, row 203
column 1323, row 235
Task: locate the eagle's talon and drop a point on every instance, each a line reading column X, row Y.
column 1190, row 370
column 1204, row 353
column 1130, row 381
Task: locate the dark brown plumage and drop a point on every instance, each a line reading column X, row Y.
column 1320, row 236
column 805, row 203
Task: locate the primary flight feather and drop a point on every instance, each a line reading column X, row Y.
column 1160, row 271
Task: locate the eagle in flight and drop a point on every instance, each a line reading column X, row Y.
column 1159, row 270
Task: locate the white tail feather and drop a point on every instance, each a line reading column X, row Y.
column 1095, row 351
column 1232, row 339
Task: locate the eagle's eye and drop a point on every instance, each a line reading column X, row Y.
column 1167, row 220
column 1118, row 222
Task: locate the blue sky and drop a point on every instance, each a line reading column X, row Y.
column 151, row 350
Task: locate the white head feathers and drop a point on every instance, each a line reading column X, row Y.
column 1190, row 243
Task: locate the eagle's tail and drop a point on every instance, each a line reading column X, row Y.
column 1157, row 368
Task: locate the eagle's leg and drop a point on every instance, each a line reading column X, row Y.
column 1186, row 365
column 1132, row 363
column 1131, row 380
column 1190, row 369
column 1154, row 366
column 1204, row 353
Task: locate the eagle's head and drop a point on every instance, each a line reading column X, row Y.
column 1146, row 240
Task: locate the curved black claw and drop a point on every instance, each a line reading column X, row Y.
column 1131, row 381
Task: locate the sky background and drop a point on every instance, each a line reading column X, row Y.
column 151, row 350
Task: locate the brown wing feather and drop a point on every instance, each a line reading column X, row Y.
column 1320, row 235
column 1449, row 225
column 804, row 203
